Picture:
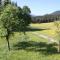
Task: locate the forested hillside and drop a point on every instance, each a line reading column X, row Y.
column 55, row 16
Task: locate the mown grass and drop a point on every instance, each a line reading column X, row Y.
column 30, row 50
column 18, row 54
column 49, row 29
column 43, row 25
column 29, row 46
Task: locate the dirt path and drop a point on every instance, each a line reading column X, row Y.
column 50, row 40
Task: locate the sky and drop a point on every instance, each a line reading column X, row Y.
column 40, row 7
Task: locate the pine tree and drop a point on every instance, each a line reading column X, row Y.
column 0, row 3
column 6, row 2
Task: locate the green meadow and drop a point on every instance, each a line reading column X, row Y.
column 30, row 46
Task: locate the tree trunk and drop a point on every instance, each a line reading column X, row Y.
column 24, row 33
column 8, row 44
column 7, row 38
column 59, row 47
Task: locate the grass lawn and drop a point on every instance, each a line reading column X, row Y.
column 48, row 29
column 29, row 46
column 34, row 48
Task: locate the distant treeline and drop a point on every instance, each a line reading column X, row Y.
column 45, row 18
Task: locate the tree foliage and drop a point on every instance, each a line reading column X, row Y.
column 57, row 25
column 5, row 2
column 14, row 18
column 10, row 19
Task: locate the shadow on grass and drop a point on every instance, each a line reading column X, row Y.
column 29, row 29
column 34, row 29
column 42, row 47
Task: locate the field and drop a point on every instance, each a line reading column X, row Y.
column 30, row 46
column 48, row 29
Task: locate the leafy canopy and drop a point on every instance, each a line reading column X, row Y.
column 10, row 17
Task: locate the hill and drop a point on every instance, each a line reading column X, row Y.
column 55, row 16
column 55, row 13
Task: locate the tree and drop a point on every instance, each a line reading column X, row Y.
column 26, row 17
column 57, row 25
column 14, row 18
column 5, row 2
column 10, row 19
column 15, row 4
